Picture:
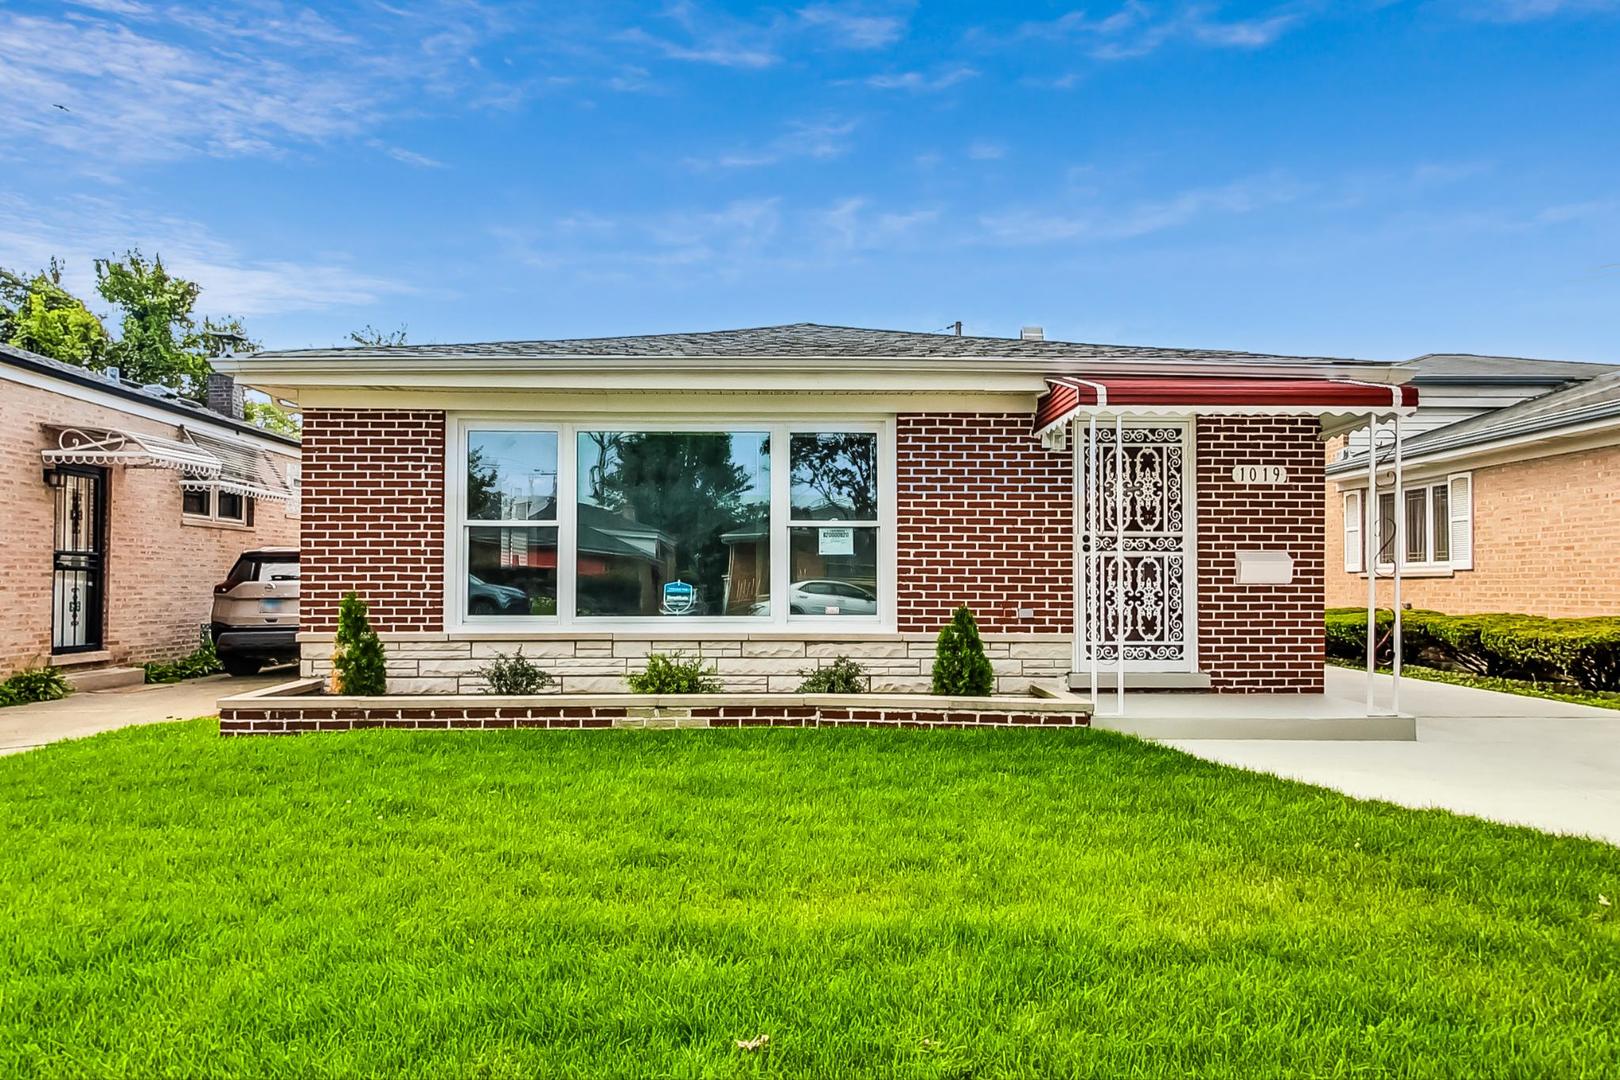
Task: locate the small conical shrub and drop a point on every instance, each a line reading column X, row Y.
column 960, row 667
column 359, row 667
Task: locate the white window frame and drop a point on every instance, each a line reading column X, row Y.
column 567, row 621
column 1459, row 541
column 214, row 517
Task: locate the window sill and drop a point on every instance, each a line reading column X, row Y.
column 1387, row 573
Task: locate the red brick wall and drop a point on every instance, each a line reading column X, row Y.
column 373, row 510
column 161, row 569
column 984, row 516
column 1260, row 637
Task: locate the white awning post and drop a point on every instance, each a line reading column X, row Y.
column 1399, row 554
column 1077, row 554
column 1372, row 541
column 1093, row 587
column 1119, row 558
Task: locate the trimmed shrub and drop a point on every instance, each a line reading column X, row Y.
column 960, row 667
column 673, row 673
column 359, row 667
column 33, row 684
column 513, row 675
column 1498, row 646
column 842, row 676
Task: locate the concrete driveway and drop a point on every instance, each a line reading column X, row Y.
column 1524, row 761
column 23, row 727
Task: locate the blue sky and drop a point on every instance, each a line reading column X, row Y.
column 1372, row 178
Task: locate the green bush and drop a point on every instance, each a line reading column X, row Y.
column 359, row 667
column 202, row 661
column 33, row 684
column 513, row 675
column 675, row 674
column 960, row 667
column 1498, row 646
column 842, row 676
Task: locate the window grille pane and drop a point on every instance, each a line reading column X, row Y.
column 1442, row 523
column 834, row 571
column 1386, row 526
column 511, row 571
column 835, row 477
column 1417, row 543
column 512, row 475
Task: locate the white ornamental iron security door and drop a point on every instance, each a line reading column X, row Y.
column 1137, row 558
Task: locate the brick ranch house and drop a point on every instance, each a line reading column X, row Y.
column 1509, row 510
column 124, row 507
column 772, row 498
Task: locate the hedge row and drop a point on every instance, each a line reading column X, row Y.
column 1583, row 651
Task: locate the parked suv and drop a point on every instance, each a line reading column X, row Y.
column 255, row 618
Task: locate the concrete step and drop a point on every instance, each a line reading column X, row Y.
column 1141, row 680
column 107, row 678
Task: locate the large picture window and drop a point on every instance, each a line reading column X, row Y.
column 752, row 524
column 673, row 523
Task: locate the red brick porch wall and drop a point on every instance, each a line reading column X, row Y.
column 1260, row 637
column 984, row 515
column 373, row 513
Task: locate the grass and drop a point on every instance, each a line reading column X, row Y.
column 931, row 904
column 1522, row 687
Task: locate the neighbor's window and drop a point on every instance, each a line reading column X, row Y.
column 673, row 523
column 1425, row 525
column 833, row 530
column 509, row 523
column 223, row 507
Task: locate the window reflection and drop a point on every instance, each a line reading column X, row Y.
column 512, row 475
column 673, row 523
column 511, row 571
column 835, row 477
column 834, row 571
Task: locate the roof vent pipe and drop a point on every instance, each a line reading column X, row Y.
column 1032, row 333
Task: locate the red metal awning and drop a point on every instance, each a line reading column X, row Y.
column 1233, row 396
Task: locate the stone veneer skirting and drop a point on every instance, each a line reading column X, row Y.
column 762, row 663
column 299, row 707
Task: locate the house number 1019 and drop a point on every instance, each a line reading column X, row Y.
column 1259, row 474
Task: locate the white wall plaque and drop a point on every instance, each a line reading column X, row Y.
column 1259, row 474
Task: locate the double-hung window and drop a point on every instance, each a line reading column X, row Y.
column 734, row 525
column 833, row 529
column 1435, row 527
column 509, row 523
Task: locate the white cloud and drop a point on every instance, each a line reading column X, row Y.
column 1529, row 10
column 985, row 150
column 853, row 29
column 921, row 83
column 81, row 229
column 1101, row 221
column 818, row 141
column 1137, row 29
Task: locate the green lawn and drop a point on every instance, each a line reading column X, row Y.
column 891, row 903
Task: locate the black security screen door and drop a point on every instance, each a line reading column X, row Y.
column 77, row 571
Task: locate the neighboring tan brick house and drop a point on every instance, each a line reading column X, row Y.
column 123, row 508
column 1512, row 510
column 773, row 498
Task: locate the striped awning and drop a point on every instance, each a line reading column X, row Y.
column 137, row 449
column 244, row 469
column 1069, row 396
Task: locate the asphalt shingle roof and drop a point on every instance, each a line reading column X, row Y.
column 1468, row 367
column 171, row 402
column 1595, row 399
column 792, row 340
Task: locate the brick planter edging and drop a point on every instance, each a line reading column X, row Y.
column 298, row 707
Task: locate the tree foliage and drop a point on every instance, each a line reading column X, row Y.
column 371, row 336
column 272, row 417
column 37, row 313
column 158, row 340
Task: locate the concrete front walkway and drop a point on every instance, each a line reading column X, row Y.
column 1548, row 764
column 23, row 727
